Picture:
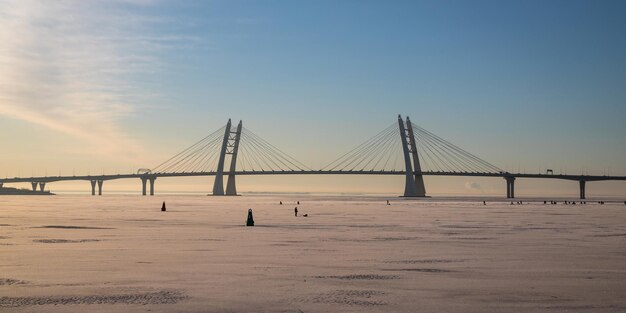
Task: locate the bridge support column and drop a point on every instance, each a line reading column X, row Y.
column 218, row 185
column 42, row 186
column 582, row 188
column 34, row 185
column 100, row 182
column 152, row 179
column 420, row 188
column 409, row 185
column 93, row 187
column 144, row 180
column 231, row 189
column 510, row 187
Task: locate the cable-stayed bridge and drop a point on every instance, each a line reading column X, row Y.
column 403, row 148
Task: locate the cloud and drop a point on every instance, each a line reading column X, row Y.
column 69, row 66
column 474, row 186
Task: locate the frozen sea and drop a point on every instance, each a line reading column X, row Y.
column 120, row 253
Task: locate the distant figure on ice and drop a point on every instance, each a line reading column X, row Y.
column 484, row 202
column 298, row 203
column 250, row 221
column 390, row 203
column 281, row 203
column 295, row 211
column 163, row 207
column 305, row 215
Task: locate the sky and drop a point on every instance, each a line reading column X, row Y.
column 90, row 87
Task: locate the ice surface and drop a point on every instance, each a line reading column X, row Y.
column 351, row 254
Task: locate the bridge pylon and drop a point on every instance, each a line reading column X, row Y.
column 218, row 185
column 420, row 188
column 230, row 145
column 231, row 189
column 409, row 186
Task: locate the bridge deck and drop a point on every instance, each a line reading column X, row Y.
column 48, row 179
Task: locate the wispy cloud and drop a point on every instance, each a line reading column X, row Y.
column 68, row 66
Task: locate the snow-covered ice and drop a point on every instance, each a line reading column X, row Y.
column 351, row 254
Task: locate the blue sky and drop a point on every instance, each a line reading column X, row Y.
column 524, row 84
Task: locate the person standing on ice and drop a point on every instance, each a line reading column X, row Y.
column 295, row 211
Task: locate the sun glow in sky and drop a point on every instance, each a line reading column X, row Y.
column 90, row 87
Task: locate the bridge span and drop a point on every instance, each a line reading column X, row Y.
column 382, row 154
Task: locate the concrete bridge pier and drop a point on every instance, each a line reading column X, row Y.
column 42, row 186
column 144, row 180
column 510, row 187
column 93, row 187
column 100, row 182
column 582, row 188
column 152, row 179
column 34, row 185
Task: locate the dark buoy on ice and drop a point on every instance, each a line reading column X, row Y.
column 250, row 220
column 163, row 207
